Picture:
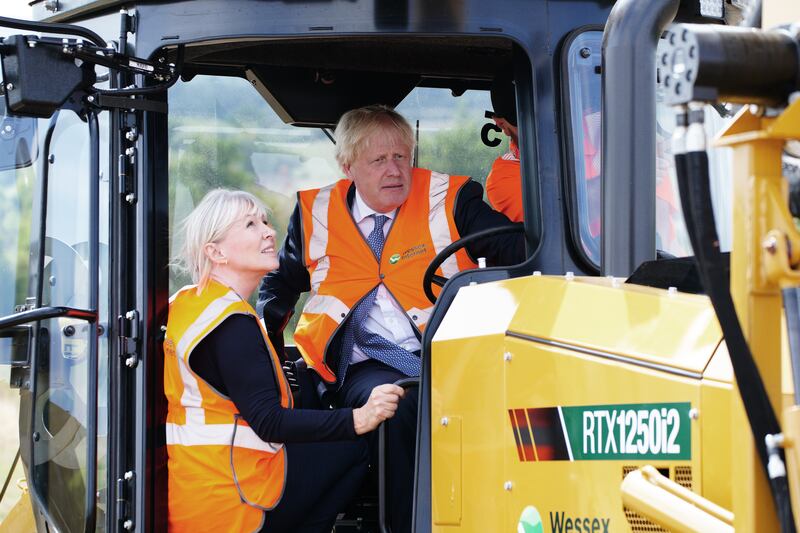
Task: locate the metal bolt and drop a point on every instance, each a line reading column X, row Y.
column 130, row 151
column 51, row 159
column 444, row 421
column 569, row 276
column 672, row 290
column 36, row 436
column 128, row 525
column 130, row 362
column 164, row 329
column 100, row 330
column 69, row 331
column 130, row 315
column 128, row 475
column 694, row 414
column 585, row 52
column 507, row 356
column 9, row 86
column 90, row 98
column 52, row 281
column 51, row 5
column 508, row 485
column 770, row 244
column 31, row 43
column 130, row 198
column 537, row 272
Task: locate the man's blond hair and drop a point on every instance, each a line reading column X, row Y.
column 357, row 126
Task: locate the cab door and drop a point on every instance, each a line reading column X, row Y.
column 54, row 324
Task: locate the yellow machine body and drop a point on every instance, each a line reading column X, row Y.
column 523, row 368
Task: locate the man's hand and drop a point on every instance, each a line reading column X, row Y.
column 380, row 406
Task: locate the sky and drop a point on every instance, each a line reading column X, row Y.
column 15, row 9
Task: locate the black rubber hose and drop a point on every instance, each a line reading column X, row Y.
column 695, row 190
column 153, row 89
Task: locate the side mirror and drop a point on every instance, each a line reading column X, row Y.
column 18, row 140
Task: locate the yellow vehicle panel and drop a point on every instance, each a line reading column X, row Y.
column 520, row 409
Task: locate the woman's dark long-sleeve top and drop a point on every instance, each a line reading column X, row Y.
column 234, row 360
column 281, row 288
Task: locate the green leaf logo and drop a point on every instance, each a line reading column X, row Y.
column 394, row 259
column 530, row 521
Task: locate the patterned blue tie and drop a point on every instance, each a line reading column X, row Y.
column 372, row 344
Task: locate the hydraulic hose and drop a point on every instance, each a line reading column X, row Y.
column 691, row 163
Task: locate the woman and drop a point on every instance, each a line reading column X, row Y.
column 240, row 458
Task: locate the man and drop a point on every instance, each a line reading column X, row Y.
column 361, row 246
column 503, row 184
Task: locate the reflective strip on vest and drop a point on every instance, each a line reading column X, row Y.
column 320, row 273
column 437, row 221
column 191, row 396
column 332, row 306
column 319, row 220
column 423, row 315
column 218, row 435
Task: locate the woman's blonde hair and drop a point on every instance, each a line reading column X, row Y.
column 356, row 127
column 208, row 223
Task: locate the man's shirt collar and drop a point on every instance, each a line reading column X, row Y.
column 361, row 210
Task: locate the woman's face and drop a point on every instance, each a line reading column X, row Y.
column 249, row 246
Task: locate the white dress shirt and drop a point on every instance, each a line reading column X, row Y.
column 386, row 318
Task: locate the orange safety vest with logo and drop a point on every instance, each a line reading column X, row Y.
column 504, row 187
column 344, row 269
column 222, row 476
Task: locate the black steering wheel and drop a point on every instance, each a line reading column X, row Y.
column 431, row 277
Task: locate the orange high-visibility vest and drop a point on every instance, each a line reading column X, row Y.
column 504, row 187
column 222, row 476
column 344, row 269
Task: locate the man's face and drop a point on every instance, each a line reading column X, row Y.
column 382, row 172
column 508, row 129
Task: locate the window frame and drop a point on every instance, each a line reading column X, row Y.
column 567, row 152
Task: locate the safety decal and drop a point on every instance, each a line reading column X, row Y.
column 652, row 431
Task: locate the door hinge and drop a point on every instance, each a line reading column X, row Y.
column 126, row 488
column 129, row 337
column 126, row 162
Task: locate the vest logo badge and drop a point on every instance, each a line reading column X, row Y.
column 394, row 259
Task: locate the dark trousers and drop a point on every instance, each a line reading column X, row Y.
column 321, row 480
column 401, row 434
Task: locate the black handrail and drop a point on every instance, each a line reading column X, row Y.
column 629, row 116
column 405, row 383
column 46, row 313
column 94, row 297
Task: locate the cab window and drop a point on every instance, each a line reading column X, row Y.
column 223, row 134
column 583, row 76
